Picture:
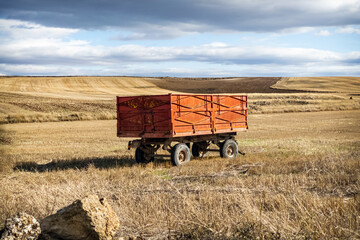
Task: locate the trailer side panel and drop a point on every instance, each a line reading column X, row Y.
column 208, row 114
column 179, row 115
column 144, row 116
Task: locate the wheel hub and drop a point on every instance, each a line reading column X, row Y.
column 182, row 156
column 230, row 151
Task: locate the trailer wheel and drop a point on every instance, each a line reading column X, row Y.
column 140, row 156
column 229, row 149
column 180, row 154
column 198, row 150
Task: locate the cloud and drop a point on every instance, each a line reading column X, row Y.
column 163, row 19
column 323, row 33
column 28, row 48
column 348, row 29
column 23, row 29
column 50, row 51
column 159, row 32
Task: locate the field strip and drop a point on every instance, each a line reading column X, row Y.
column 67, row 140
column 321, row 84
column 80, row 87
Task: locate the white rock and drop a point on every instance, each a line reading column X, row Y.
column 21, row 226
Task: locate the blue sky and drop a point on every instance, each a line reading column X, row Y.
column 180, row 38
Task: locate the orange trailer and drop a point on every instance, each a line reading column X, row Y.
column 160, row 120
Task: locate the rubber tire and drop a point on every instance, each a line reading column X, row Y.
column 140, row 156
column 195, row 150
column 180, row 154
column 224, row 149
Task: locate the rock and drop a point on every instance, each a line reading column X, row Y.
column 86, row 219
column 21, row 226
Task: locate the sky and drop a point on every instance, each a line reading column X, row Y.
column 180, row 38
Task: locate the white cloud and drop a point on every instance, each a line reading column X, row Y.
column 323, row 33
column 348, row 29
column 297, row 30
column 56, row 53
column 152, row 31
column 329, row 5
column 30, row 68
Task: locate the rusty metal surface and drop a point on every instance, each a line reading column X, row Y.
column 177, row 115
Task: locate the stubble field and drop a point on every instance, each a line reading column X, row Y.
column 299, row 179
column 44, row 99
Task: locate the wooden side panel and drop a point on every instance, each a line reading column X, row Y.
column 144, row 116
column 230, row 113
column 208, row 114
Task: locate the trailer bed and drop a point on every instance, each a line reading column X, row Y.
column 180, row 115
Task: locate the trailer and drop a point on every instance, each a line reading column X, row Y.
column 175, row 121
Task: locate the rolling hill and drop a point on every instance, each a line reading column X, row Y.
column 43, row 99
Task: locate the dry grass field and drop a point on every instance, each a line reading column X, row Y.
column 44, row 99
column 300, row 178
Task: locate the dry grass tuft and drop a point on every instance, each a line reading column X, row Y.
column 6, row 163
